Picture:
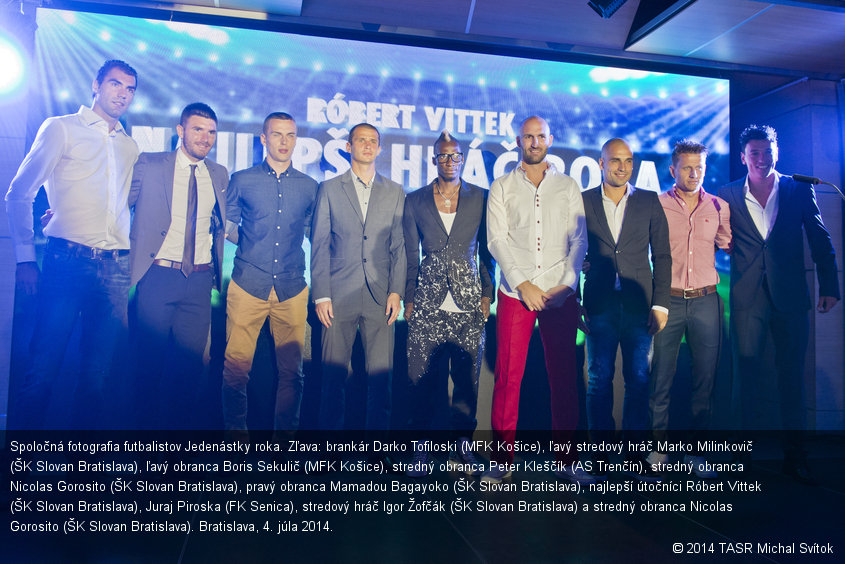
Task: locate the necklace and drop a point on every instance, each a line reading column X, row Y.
column 447, row 200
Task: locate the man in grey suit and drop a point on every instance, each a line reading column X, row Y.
column 176, row 253
column 358, row 268
column 626, row 300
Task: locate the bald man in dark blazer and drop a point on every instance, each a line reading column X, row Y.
column 626, row 297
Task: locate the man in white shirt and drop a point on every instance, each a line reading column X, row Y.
column 537, row 233
column 84, row 161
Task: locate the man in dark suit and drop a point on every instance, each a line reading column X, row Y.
column 447, row 301
column 626, row 301
column 769, row 291
column 358, row 269
column 176, row 254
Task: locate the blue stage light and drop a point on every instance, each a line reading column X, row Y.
column 14, row 69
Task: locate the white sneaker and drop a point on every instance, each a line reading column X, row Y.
column 496, row 475
column 576, row 475
column 699, row 466
column 463, row 459
column 419, row 464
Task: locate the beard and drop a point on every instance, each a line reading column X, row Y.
column 534, row 158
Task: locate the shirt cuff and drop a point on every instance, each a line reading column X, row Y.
column 25, row 253
column 321, row 300
column 660, row 308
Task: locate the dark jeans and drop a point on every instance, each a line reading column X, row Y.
column 609, row 330
column 701, row 320
column 95, row 292
column 790, row 332
column 174, row 316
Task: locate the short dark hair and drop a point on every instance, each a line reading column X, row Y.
column 115, row 64
column 276, row 115
column 445, row 137
column 197, row 109
column 757, row 132
column 687, row 147
column 364, row 124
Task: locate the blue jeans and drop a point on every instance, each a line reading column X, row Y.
column 94, row 291
column 608, row 331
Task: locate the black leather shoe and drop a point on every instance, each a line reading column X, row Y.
column 799, row 472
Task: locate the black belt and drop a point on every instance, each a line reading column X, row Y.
column 690, row 293
column 178, row 265
column 84, row 251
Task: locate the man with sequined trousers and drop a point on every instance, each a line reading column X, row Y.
column 447, row 297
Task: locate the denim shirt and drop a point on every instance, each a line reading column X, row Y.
column 274, row 216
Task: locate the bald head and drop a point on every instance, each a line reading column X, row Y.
column 616, row 162
column 534, row 140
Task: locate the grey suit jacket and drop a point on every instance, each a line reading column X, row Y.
column 151, row 196
column 643, row 227
column 780, row 257
column 449, row 259
column 348, row 253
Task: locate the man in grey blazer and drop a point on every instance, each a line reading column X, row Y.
column 176, row 253
column 769, row 293
column 626, row 300
column 358, row 268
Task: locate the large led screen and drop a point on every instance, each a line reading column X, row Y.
column 410, row 93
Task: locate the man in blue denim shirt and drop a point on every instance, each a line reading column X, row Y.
column 271, row 205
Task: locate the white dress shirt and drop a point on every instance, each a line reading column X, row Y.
column 763, row 217
column 449, row 302
column 86, row 170
column 615, row 215
column 536, row 234
column 174, row 242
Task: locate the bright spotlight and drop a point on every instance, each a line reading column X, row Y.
column 12, row 63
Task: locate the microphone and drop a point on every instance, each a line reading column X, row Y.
column 807, row 179
column 814, row 180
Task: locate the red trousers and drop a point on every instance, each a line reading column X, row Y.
column 558, row 328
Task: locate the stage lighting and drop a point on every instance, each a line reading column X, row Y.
column 605, row 8
column 12, row 63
